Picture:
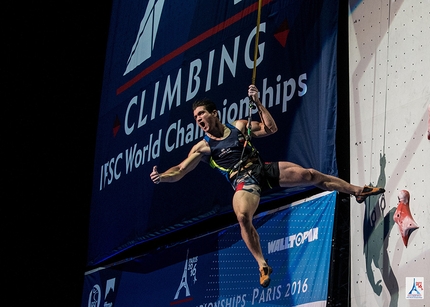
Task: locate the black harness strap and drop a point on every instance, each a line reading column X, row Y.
column 238, row 166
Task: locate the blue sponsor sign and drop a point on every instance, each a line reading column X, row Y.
column 218, row 270
column 161, row 56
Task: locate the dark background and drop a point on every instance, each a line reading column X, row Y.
column 52, row 70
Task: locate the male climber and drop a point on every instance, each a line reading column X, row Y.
column 228, row 148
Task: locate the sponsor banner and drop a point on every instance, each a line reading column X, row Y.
column 163, row 55
column 217, row 270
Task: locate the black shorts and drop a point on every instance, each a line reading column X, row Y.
column 266, row 176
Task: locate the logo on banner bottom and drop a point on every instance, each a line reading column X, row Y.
column 190, row 266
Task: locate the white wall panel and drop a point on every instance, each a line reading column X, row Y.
column 389, row 43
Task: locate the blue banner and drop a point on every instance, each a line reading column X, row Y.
column 217, row 270
column 161, row 56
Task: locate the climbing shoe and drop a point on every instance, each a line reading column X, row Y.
column 367, row 191
column 265, row 276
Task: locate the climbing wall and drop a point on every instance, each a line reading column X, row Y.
column 389, row 54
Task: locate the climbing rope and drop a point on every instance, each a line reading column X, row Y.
column 251, row 102
column 257, row 34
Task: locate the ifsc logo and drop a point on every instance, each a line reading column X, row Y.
column 145, row 40
column 414, row 287
column 95, row 295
